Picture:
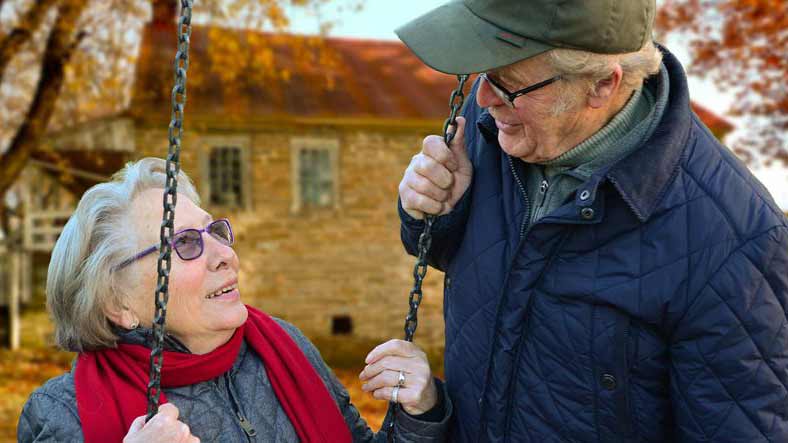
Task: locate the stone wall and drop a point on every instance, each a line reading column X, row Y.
column 311, row 265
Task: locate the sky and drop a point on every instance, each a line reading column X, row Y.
column 378, row 19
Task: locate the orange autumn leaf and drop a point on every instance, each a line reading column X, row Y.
column 742, row 45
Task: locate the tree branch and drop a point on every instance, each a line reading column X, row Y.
column 22, row 32
column 60, row 46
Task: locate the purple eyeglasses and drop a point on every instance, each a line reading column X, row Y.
column 188, row 243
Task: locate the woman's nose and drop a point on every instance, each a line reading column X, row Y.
column 219, row 253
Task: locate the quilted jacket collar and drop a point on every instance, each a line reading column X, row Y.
column 641, row 177
column 660, row 155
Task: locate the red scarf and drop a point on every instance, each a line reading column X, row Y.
column 111, row 384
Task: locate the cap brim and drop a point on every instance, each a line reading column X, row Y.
column 453, row 40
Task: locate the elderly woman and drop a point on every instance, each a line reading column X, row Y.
column 231, row 372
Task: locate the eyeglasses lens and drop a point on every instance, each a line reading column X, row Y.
column 220, row 230
column 497, row 91
column 502, row 96
column 188, row 244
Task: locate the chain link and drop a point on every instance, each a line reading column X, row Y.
column 175, row 134
column 425, row 241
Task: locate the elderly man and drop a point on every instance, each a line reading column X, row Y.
column 612, row 272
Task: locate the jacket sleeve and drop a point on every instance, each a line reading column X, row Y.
column 408, row 429
column 47, row 419
column 729, row 351
column 446, row 233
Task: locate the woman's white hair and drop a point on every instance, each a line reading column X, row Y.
column 80, row 281
column 589, row 68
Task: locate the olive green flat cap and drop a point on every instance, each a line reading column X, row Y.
column 469, row 36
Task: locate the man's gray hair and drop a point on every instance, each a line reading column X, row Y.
column 99, row 235
column 590, row 67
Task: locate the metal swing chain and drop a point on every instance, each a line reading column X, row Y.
column 175, row 134
column 425, row 239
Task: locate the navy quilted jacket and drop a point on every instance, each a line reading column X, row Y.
column 652, row 310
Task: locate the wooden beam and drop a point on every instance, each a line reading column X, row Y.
column 14, row 327
column 26, row 294
column 98, row 178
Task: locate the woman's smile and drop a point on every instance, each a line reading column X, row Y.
column 230, row 295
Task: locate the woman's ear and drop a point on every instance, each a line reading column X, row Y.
column 122, row 316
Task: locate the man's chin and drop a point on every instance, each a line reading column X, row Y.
column 515, row 147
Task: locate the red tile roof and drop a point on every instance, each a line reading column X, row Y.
column 717, row 124
column 365, row 78
column 362, row 79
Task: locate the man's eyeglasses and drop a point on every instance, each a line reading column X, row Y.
column 188, row 243
column 508, row 97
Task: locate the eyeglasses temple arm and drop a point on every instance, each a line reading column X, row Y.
column 131, row 260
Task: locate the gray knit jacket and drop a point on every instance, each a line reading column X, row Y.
column 239, row 406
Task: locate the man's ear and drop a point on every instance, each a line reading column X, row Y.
column 606, row 89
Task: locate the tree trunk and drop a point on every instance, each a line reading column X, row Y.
column 22, row 32
column 60, row 45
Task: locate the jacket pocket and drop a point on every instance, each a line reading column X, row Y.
column 612, row 372
column 623, row 360
column 446, row 295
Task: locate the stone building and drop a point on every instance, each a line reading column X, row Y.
column 306, row 167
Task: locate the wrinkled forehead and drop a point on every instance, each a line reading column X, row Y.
column 147, row 210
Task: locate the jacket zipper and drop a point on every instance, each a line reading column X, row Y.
column 543, row 188
column 521, row 339
column 523, row 233
column 242, row 421
column 527, row 216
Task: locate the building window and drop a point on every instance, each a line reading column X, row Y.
column 225, row 172
column 315, row 174
column 341, row 325
column 317, row 181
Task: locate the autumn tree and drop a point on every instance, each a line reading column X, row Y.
column 742, row 45
column 60, row 43
column 62, row 61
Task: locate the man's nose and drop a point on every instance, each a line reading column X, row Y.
column 486, row 97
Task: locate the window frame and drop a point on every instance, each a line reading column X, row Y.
column 241, row 143
column 299, row 144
